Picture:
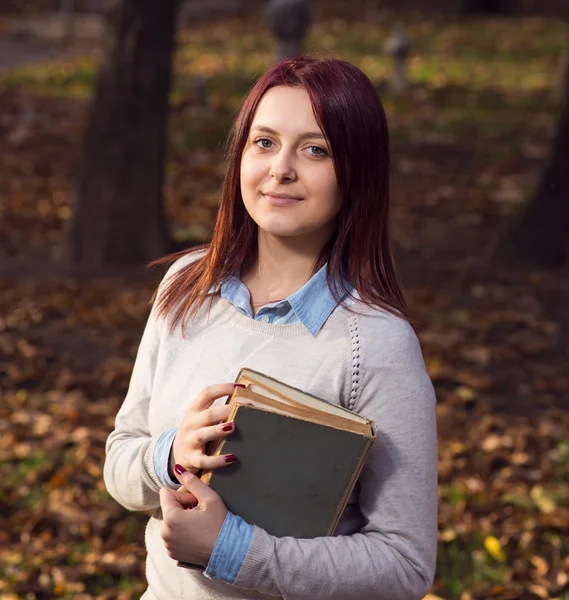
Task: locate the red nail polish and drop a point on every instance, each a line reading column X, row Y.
column 227, row 427
column 179, row 469
column 239, row 385
column 230, row 458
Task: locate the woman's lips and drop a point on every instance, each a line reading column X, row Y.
column 281, row 200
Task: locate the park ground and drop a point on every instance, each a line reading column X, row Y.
column 469, row 141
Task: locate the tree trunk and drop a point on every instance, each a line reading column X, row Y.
column 289, row 21
column 119, row 218
column 541, row 235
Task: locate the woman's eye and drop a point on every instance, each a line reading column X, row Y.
column 317, row 151
column 263, row 143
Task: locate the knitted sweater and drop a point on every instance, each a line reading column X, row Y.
column 367, row 360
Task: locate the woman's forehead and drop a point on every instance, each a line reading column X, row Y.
column 286, row 110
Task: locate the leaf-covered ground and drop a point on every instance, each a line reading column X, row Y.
column 469, row 142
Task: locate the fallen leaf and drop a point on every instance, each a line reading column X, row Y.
column 494, row 548
column 542, row 500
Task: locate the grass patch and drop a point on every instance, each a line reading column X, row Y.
column 467, row 77
column 508, row 55
column 72, row 79
column 77, row 553
column 133, row 526
column 454, row 494
column 466, row 566
column 561, row 457
column 28, row 465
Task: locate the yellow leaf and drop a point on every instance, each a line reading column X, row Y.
column 540, row 564
column 544, row 502
column 64, row 212
column 21, row 395
column 448, row 535
column 539, row 590
column 457, row 448
column 491, row 443
column 494, row 548
column 433, row 367
column 465, row 393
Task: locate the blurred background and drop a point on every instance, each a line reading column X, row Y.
column 108, row 159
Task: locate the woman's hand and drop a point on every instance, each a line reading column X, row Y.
column 203, row 423
column 193, row 517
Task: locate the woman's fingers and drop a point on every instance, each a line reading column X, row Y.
column 185, row 498
column 202, row 423
column 206, row 463
column 212, row 416
column 211, row 393
column 208, row 434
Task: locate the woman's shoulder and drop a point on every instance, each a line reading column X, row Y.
column 175, row 267
column 374, row 319
column 186, row 259
column 381, row 333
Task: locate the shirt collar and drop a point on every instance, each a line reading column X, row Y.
column 313, row 303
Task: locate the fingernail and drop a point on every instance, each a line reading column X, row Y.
column 227, row 427
column 239, row 385
column 179, row 469
column 230, row 458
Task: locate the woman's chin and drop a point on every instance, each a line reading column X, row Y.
column 289, row 229
column 281, row 232
column 285, row 230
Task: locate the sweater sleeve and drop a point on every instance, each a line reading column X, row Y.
column 393, row 556
column 129, row 470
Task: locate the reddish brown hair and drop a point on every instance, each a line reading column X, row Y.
column 351, row 116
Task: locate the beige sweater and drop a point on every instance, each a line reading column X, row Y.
column 370, row 362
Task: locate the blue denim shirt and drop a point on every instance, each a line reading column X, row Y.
column 312, row 304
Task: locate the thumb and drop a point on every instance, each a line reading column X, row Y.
column 194, row 485
column 169, row 502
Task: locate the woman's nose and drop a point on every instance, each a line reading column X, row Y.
column 282, row 167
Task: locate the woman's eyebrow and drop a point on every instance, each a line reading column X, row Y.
column 308, row 134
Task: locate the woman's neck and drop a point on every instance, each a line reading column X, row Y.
column 282, row 267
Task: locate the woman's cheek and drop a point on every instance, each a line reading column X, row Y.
column 252, row 169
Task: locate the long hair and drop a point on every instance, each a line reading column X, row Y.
column 351, row 116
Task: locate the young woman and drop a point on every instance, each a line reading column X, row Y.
column 298, row 283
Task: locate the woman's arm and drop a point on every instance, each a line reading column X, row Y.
column 393, row 556
column 129, row 471
column 136, row 465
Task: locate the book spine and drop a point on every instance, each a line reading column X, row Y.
column 350, row 487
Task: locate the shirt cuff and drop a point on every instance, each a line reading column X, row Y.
column 230, row 549
column 162, row 458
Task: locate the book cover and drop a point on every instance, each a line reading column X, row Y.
column 292, row 477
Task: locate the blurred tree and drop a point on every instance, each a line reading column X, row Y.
column 289, row 21
column 398, row 47
column 118, row 217
column 541, row 234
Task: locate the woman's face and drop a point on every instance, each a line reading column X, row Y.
column 288, row 181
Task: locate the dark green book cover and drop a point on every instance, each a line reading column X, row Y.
column 291, row 475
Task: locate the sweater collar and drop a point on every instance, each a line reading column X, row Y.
column 313, row 303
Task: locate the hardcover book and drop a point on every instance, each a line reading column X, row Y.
column 298, row 458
